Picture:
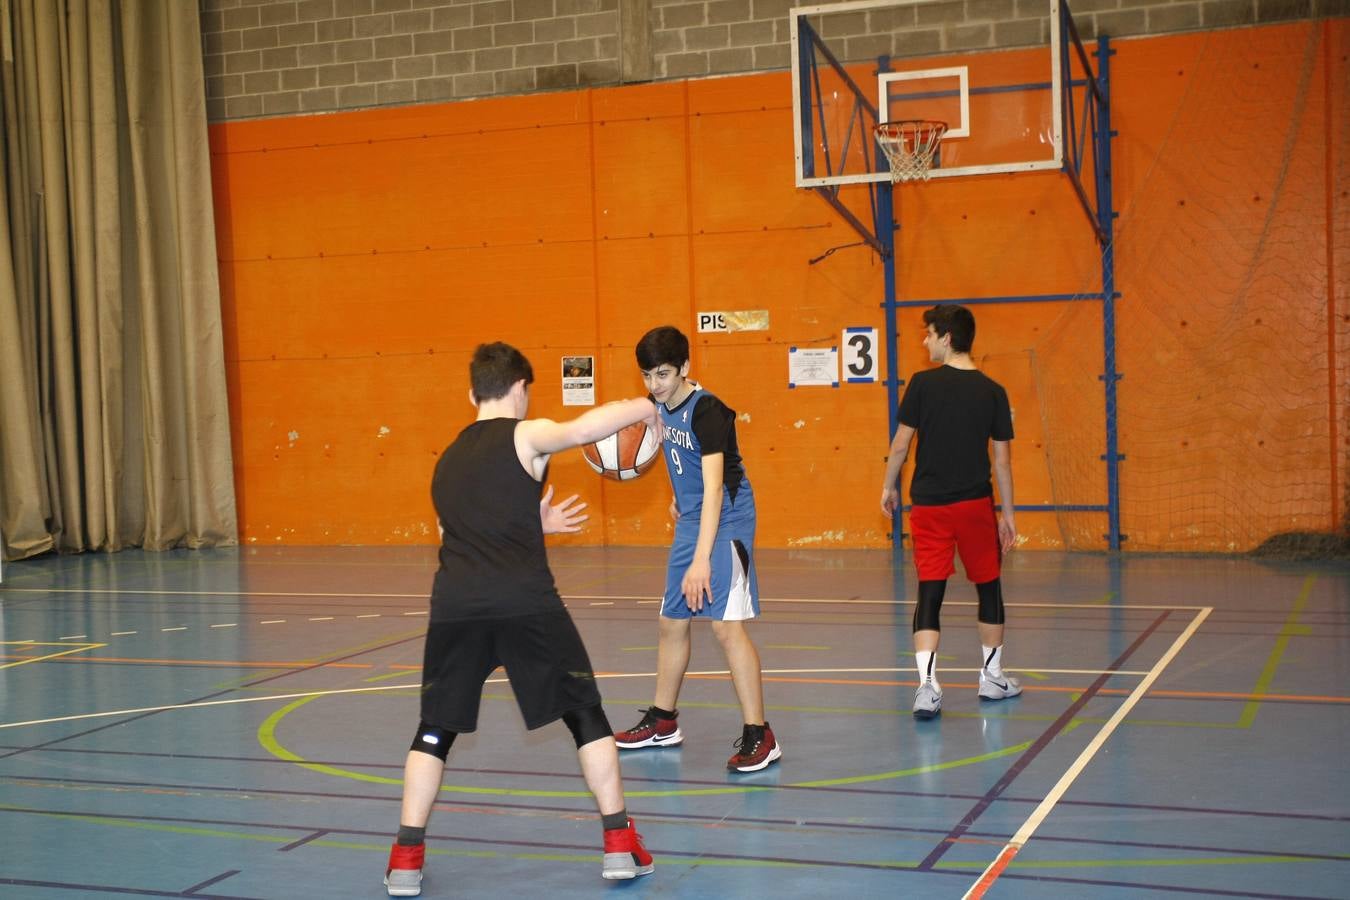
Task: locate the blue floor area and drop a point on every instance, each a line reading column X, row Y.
column 232, row 723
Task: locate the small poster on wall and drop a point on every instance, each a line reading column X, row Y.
column 813, row 365
column 578, row 380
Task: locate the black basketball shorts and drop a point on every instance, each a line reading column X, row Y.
column 544, row 658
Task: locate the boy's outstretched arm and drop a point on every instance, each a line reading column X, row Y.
column 545, row 436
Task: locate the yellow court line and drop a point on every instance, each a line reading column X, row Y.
column 79, row 648
column 1290, row 629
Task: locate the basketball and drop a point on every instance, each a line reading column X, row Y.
column 625, row 454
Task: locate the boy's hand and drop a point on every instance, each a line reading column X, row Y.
column 697, row 582
column 565, row 518
column 1007, row 531
column 890, row 499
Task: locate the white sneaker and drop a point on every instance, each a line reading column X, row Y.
column 1000, row 688
column 927, row 701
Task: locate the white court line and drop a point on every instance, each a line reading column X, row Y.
column 1038, row 815
column 176, row 628
column 227, row 625
column 272, row 622
column 120, row 633
column 369, row 616
column 321, row 618
column 907, row 669
column 416, row 612
column 399, row 687
column 73, row 637
column 844, row 601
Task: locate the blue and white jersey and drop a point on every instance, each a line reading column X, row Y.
column 703, row 424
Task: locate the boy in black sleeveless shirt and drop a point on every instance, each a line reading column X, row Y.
column 494, row 602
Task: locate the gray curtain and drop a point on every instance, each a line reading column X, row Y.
column 114, row 417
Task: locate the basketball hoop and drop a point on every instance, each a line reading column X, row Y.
column 910, row 146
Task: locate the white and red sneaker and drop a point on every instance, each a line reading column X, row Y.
column 625, row 856
column 403, row 877
column 651, row 731
column 755, row 750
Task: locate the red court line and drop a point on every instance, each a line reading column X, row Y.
column 1060, row 689
column 991, row 874
column 233, row 663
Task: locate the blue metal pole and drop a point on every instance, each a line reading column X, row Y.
column 883, row 198
column 1106, row 216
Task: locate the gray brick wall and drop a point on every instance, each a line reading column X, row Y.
column 281, row 57
column 712, row 37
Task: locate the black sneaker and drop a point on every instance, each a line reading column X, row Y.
column 756, row 748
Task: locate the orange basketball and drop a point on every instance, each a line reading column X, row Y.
column 625, row 454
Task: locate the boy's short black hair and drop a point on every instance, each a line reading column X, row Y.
column 959, row 322
column 662, row 346
column 494, row 368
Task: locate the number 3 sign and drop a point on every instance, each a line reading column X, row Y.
column 859, row 355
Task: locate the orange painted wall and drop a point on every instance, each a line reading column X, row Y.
column 364, row 255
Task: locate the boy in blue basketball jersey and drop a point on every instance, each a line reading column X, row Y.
column 711, row 569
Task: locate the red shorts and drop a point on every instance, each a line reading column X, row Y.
column 967, row 527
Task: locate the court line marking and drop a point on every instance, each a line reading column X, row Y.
column 1290, row 629
column 78, row 648
column 648, row 598
column 268, row 739
column 1039, row 814
column 363, row 690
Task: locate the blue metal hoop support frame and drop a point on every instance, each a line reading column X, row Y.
column 1094, row 125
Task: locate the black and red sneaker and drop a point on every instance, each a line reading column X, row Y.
column 755, row 750
column 403, row 877
column 625, row 856
column 652, row 731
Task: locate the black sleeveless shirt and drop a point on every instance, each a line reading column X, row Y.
column 493, row 561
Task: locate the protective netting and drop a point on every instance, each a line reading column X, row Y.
column 1232, row 408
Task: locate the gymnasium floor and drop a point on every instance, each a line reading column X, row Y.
column 232, row 723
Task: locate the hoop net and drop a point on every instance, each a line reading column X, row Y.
column 910, row 146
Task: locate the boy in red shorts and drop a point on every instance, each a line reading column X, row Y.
column 957, row 411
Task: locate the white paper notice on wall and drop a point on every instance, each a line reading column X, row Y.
column 813, row 366
column 859, row 356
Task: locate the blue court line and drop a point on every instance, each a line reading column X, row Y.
column 109, row 889
column 314, row 832
column 700, row 858
column 193, row 891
